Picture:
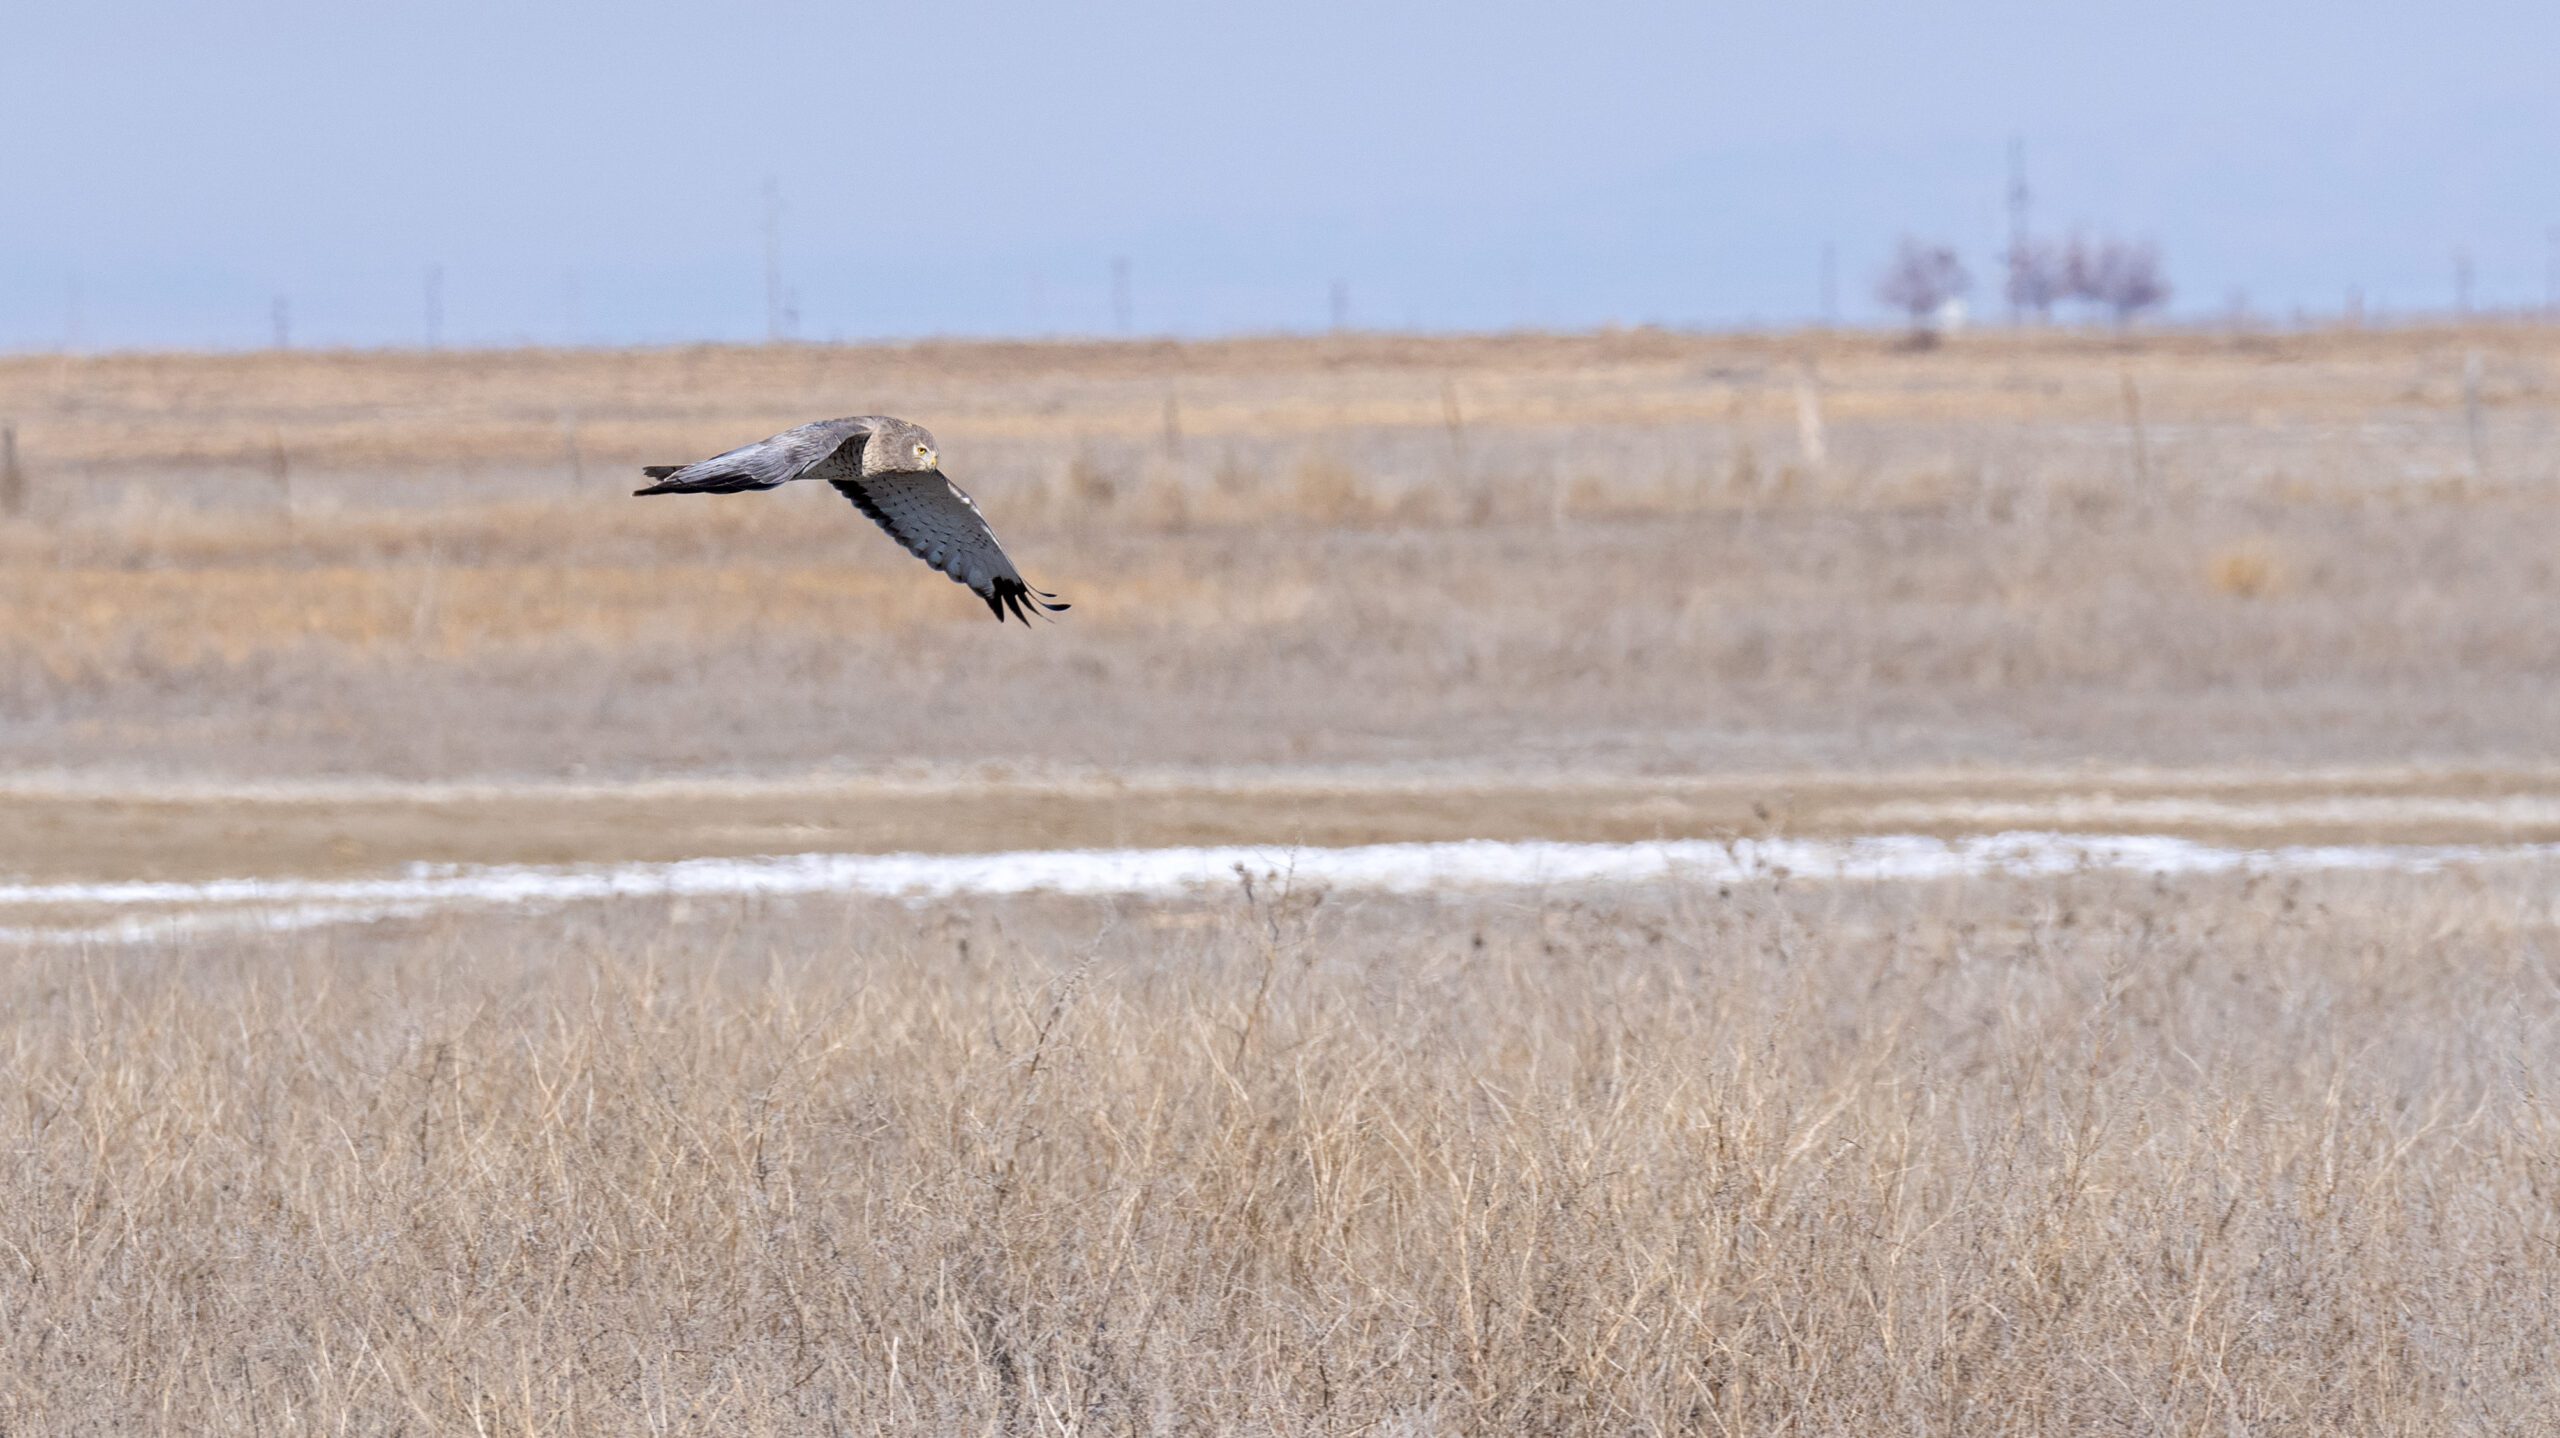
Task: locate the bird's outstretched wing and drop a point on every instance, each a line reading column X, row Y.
column 941, row 526
column 769, row 462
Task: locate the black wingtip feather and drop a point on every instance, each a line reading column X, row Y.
column 1015, row 599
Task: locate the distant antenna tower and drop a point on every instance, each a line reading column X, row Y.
column 435, row 306
column 2462, row 282
column 773, row 299
column 1830, row 285
column 282, row 314
column 1120, row 303
column 1341, row 299
column 2019, row 196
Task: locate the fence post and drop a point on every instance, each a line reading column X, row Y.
column 280, row 470
column 577, row 454
column 1810, row 447
column 2471, row 412
column 13, row 481
column 2133, row 432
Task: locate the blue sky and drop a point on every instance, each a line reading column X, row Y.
column 595, row 172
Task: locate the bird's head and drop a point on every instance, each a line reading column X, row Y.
column 898, row 447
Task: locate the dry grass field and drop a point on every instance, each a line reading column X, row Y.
column 2095, row 1152
column 1628, row 553
column 2056, row 1158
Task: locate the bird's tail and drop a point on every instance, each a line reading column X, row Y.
column 690, row 479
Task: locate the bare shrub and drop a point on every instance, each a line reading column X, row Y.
column 2038, row 277
column 2123, row 279
column 1922, row 280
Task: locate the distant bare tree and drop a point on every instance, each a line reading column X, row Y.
column 2124, row 279
column 2130, row 281
column 2037, row 279
column 1921, row 280
column 2077, row 268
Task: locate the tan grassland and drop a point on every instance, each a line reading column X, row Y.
column 2082, row 1156
column 1633, row 553
column 2095, row 1153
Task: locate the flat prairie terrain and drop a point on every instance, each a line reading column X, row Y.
column 1636, row 554
column 2244, row 1147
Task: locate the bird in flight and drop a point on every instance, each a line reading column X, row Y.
column 892, row 471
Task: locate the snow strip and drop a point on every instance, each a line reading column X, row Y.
column 177, row 909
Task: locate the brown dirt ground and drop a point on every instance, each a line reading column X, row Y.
column 93, row 832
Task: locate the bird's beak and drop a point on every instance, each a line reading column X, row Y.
column 933, row 459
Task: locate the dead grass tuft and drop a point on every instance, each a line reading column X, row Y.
column 1324, row 490
column 2248, row 569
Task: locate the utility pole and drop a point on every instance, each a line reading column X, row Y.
column 1120, row 302
column 573, row 327
column 2551, row 272
column 2471, row 409
column 2019, row 196
column 2462, row 283
column 435, row 306
column 283, row 317
column 1341, row 299
column 1830, row 285
column 773, row 302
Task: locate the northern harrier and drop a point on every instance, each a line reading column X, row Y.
column 890, row 469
